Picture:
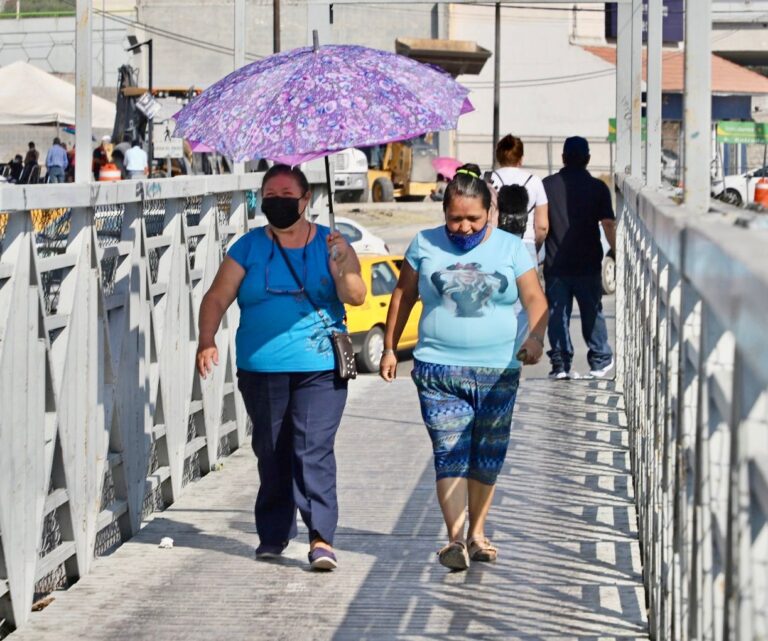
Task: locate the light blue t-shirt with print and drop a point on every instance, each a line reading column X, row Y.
column 279, row 330
column 469, row 298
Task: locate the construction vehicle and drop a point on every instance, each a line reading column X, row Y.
column 404, row 172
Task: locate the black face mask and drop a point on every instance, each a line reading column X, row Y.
column 281, row 212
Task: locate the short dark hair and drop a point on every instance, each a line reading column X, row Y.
column 576, row 152
column 286, row 170
column 467, row 182
column 135, row 142
column 31, row 145
column 18, row 157
column 56, row 141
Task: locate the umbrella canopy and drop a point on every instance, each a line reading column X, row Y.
column 309, row 102
column 200, row 148
column 30, row 96
column 446, row 166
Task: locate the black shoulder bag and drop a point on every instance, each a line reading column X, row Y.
column 344, row 353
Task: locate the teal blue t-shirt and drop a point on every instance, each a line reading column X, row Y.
column 469, row 298
column 279, row 329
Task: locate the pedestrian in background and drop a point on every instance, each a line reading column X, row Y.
column 118, row 154
column 33, row 155
column 578, row 205
column 466, row 369
column 291, row 280
column 16, row 166
column 56, row 162
column 70, row 172
column 510, row 151
column 509, row 155
column 136, row 166
column 101, row 155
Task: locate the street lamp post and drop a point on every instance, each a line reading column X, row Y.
column 135, row 47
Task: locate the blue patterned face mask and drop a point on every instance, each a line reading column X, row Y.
column 466, row 242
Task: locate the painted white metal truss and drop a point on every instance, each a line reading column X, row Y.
column 104, row 419
column 694, row 371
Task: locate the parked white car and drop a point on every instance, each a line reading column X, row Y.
column 362, row 240
column 739, row 189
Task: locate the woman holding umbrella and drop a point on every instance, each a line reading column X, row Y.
column 469, row 277
column 291, row 280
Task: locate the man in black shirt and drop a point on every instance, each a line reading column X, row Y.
column 578, row 205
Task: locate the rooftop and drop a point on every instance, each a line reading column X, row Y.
column 727, row 77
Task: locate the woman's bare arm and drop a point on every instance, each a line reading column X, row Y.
column 220, row 295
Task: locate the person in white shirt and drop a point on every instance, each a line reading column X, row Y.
column 509, row 156
column 136, row 162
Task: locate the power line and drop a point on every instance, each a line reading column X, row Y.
column 170, row 35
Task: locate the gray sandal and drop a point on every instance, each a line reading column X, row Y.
column 481, row 549
column 454, row 556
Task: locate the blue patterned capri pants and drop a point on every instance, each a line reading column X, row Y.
column 468, row 414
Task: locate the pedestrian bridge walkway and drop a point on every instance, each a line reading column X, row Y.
column 104, row 425
column 564, row 520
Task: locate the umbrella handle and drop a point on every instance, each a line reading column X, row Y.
column 331, row 216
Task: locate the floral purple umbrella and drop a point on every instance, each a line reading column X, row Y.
column 309, row 102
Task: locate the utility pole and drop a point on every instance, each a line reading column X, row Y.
column 104, row 44
column 275, row 26
column 496, row 81
column 84, row 90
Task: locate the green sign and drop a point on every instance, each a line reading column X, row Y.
column 742, row 132
column 612, row 129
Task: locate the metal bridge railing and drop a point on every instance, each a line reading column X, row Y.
column 693, row 364
column 103, row 419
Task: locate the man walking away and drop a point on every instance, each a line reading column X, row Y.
column 578, row 205
column 136, row 161
column 56, row 162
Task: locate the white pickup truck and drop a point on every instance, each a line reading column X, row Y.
column 350, row 176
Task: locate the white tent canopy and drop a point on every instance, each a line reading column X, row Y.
column 30, row 96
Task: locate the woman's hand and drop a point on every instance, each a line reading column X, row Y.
column 346, row 271
column 207, row 357
column 388, row 367
column 340, row 251
column 532, row 350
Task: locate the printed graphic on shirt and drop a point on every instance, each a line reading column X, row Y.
column 467, row 290
column 319, row 342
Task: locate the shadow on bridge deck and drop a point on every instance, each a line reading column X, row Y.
column 563, row 519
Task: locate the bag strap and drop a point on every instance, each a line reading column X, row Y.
column 301, row 285
column 524, row 184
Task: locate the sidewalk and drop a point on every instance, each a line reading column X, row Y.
column 563, row 520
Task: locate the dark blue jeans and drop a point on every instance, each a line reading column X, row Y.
column 588, row 292
column 295, row 417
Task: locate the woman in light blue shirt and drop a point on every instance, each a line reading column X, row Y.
column 469, row 277
column 285, row 360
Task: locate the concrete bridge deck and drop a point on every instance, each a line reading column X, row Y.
column 564, row 521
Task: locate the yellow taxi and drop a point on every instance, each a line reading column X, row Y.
column 366, row 323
